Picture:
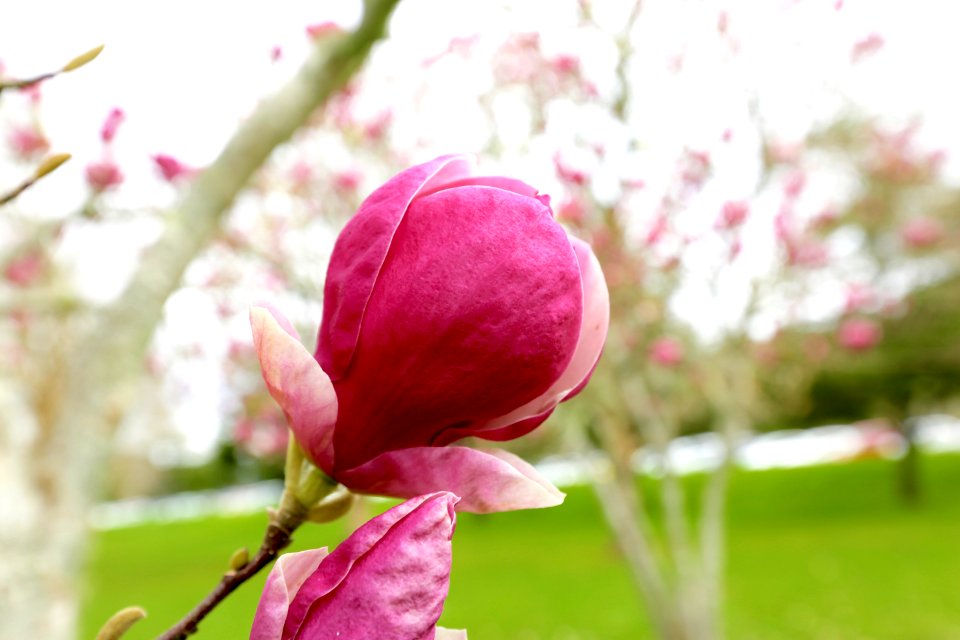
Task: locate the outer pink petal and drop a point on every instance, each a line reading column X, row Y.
column 593, row 333
column 387, row 581
column 360, row 251
column 477, row 310
column 290, row 571
column 486, row 481
column 297, row 383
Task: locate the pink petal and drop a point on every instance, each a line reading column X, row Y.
column 360, row 252
column 477, row 310
column 487, row 481
column 593, row 332
column 387, row 581
column 297, row 383
column 289, row 573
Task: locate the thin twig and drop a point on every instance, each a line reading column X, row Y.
column 275, row 540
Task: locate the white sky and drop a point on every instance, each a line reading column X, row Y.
column 186, row 72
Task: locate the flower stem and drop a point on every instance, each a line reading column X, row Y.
column 277, row 537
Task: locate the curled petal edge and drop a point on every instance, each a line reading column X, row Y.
column 297, row 383
column 287, row 576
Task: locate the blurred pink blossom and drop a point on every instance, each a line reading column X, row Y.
column 567, row 172
column 825, row 219
column 347, row 180
column 736, row 247
column 376, row 128
column 28, row 142
column 103, row 175
column 666, row 351
column 110, row 125
column 571, row 209
column 657, row 230
column 804, row 252
column 732, row 214
column 264, row 436
column 696, row 168
column 566, row 63
column 859, row 334
column 794, row 184
column 172, row 169
column 858, row 296
column 922, row 232
column 866, row 46
column 25, row 269
column 301, row 173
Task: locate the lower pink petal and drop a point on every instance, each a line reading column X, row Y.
column 387, row 581
column 487, row 481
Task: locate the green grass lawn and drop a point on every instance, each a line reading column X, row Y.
column 818, row 553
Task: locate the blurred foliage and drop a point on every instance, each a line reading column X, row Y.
column 914, row 369
column 230, row 466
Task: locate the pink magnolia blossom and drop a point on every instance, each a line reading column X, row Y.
column 111, row 124
column 859, row 334
column 387, row 581
column 172, row 169
column 666, row 352
column 103, row 175
column 454, row 306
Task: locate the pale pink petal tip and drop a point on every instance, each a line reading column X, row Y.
column 289, row 573
column 296, row 382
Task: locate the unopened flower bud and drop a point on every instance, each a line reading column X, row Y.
column 239, row 559
column 82, row 59
column 120, row 622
